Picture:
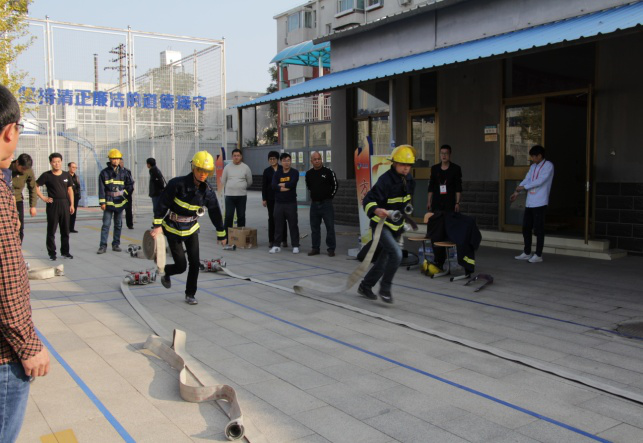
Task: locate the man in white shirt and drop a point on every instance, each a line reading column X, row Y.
column 236, row 179
column 537, row 184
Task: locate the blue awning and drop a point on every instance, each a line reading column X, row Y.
column 305, row 54
column 586, row 26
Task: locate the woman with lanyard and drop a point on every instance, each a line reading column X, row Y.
column 537, row 183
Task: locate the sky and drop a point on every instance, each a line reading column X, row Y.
column 247, row 26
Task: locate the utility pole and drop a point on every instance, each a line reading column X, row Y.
column 120, row 53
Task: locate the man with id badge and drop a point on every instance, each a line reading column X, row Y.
column 445, row 191
column 537, row 184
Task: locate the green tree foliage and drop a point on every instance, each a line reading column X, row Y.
column 14, row 39
column 271, row 134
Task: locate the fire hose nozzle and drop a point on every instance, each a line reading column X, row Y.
column 200, row 212
column 395, row 216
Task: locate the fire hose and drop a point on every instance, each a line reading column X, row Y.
column 171, row 348
column 46, row 273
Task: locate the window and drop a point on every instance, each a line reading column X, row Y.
column 347, row 5
column 228, row 121
column 293, row 21
column 372, row 98
column 372, row 4
column 301, row 19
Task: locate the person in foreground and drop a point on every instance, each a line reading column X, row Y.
column 22, row 355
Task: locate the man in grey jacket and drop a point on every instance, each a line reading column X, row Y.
column 236, row 180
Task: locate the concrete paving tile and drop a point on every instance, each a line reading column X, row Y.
column 158, row 431
column 313, row 438
column 623, row 433
column 522, row 348
column 324, row 421
column 237, row 325
column 352, row 401
column 487, row 365
column 299, row 375
column 423, row 406
column 90, row 329
column 65, row 408
column 405, row 427
column 257, row 354
column 620, row 410
column 98, row 430
column 548, row 433
column 549, row 385
column 309, row 357
column 270, row 340
column 34, row 425
column 200, row 419
column 109, row 344
column 240, row 371
column 284, row 396
column 607, row 371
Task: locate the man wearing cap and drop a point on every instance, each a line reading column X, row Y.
column 113, row 182
column 182, row 202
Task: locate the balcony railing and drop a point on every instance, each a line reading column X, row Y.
column 308, row 109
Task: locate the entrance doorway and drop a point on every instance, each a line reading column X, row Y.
column 560, row 122
column 423, row 137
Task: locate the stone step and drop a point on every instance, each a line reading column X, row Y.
column 576, row 247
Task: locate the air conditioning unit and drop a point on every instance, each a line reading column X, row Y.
column 405, row 2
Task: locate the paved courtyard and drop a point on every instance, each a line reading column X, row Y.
column 339, row 368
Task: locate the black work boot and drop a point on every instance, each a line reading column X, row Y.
column 366, row 291
column 101, row 250
column 165, row 281
column 386, row 296
column 116, row 248
column 191, row 300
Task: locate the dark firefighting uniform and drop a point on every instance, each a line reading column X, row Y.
column 113, row 184
column 177, row 214
column 391, row 192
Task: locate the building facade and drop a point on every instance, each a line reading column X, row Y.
column 491, row 79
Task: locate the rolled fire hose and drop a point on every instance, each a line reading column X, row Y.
column 177, row 356
column 46, row 273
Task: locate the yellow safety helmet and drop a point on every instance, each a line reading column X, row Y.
column 114, row 153
column 203, row 160
column 404, row 154
column 429, row 268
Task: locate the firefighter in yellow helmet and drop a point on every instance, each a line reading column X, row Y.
column 392, row 191
column 113, row 183
column 182, row 202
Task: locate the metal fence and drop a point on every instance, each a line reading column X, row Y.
column 147, row 94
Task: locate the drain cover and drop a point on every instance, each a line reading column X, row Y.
column 633, row 329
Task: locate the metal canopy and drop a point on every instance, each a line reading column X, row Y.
column 586, row 26
column 305, row 54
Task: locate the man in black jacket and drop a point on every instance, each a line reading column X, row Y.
column 284, row 183
column 322, row 184
column 129, row 214
column 75, row 184
column 157, row 182
column 445, row 191
column 268, row 197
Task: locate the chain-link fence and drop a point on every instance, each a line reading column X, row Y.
column 93, row 89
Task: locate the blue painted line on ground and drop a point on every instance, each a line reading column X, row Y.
column 419, row 371
column 88, row 392
column 517, row 311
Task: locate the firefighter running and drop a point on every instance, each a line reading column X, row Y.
column 392, row 192
column 113, row 183
column 180, row 205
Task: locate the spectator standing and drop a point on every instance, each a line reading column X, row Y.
column 268, row 197
column 129, row 193
column 236, row 179
column 72, row 168
column 284, row 183
column 157, row 182
column 322, row 183
column 22, row 355
column 537, row 183
column 22, row 175
column 445, row 192
column 113, row 183
column 60, row 205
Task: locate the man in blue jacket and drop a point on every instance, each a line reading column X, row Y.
column 113, row 183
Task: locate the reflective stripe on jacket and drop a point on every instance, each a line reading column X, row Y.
column 184, row 198
column 113, row 180
column 391, row 192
